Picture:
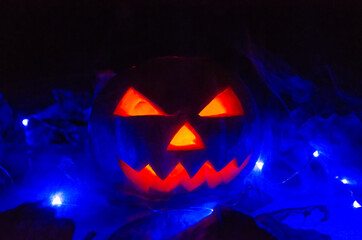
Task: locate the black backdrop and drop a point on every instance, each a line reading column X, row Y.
column 63, row 44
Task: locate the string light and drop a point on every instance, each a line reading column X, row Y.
column 25, row 122
column 356, row 204
column 316, row 153
column 345, row 181
column 57, row 200
column 259, row 164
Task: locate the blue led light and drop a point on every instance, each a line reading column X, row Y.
column 356, row 204
column 57, row 200
column 259, row 164
column 345, row 181
column 25, row 122
column 316, row 154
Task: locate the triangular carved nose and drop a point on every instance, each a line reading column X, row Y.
column 186, row 138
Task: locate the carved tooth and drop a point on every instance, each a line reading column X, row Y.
column 147, row 177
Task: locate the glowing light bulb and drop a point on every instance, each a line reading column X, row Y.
column 25, row 122
column 57, row 200
column 356, row 204
column 316, row 154
column 345, row 181
column 259, row 164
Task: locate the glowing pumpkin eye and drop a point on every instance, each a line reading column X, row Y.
column 134, row 103
column 225, row 104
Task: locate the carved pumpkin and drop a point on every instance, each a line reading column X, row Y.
column 174, row 125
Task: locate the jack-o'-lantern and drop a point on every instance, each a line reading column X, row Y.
column 175, row 125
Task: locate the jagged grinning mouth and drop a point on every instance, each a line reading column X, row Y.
column 147, row 178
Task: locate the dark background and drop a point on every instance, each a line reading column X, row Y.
column 64, row 44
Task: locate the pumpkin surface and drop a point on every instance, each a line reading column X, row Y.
column 175, row 125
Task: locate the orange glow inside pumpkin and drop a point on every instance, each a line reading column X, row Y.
column 147, row 178
column 186, row 138
column 225, row 104
column 134, row 103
